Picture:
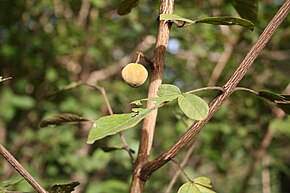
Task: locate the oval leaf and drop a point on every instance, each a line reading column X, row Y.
column 247, row 9
column 193, row 106
column 227, row 21
column 126, row 6
column 203, row 189
column 112, row 124
column 168, row 89
column 203, row 181
column 188, row 187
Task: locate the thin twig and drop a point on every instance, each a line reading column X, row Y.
column 5, row 79
column 229, row 87
column 207, row 88
column 141, row 54
column 109, row 107
column 182, row 165
column 21, row 170
column 181, row 169
column 246, row 89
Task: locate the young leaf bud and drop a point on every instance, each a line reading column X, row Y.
column 134, row 74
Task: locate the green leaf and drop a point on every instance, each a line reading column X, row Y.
column 159, row 100
column 167, row 90
column 63, row 188
column 270, row 96
column 247, row 9
column 173, row 17
column 193, row 106
column 188, row 187
column 65, row 118
column 204, row 189
column 126, row 6
column 112, row 124
column 6, row 184
column 203, row 181
column 282, row 101
column 227, row 21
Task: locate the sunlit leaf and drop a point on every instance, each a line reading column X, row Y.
column 223, row 20
column 247, row 9
column 61, row 119
column 193, row 106
column 63, row 188
column 159, row 100
column 203, row 181
column 112, row 124
column 227, row 21
column 188, row 187
column 173, row 17
column 126, row 6
column 204, row 189
column 167, row 90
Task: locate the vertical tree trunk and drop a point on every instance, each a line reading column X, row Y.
column 147, row 132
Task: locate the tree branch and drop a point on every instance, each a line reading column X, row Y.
column 22, row 171
column 229, row 87
column 147, row 132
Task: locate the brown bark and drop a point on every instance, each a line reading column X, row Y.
column 147, row 132
column 229, row 88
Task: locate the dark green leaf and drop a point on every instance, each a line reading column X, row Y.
column 126, row 6
column 284, row 105
column 271, row 96
column 227, row 21
column 282, row 101
column 63, row 188
column 193, row 106
column 247, row 9
column 61, row 119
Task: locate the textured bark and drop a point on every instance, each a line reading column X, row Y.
column 147, row 132
column 229, row 88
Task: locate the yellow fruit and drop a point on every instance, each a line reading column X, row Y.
column 134, row 74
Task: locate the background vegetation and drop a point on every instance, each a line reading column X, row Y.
column 48, row 45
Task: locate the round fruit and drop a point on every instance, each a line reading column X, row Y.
column 134, row 74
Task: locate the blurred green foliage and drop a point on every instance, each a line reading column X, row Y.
column 47, row 45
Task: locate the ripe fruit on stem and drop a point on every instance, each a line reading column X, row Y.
column 134, row 74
